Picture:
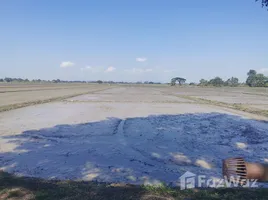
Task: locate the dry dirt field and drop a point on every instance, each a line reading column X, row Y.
column 251, row 99
column 12, row 95
column 130, row 134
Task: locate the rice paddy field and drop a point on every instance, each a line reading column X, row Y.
column 137, row 140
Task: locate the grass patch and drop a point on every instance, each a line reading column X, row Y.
column 13, row 187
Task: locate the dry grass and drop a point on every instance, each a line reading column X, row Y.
column 13, row 188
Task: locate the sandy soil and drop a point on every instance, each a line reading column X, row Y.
column 131, row 142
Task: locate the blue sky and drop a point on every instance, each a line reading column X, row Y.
column 139, row 40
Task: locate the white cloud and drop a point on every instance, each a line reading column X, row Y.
column 138, row 70
column 263, row 70
column 66, row 64
column 110, row 69
column 141, row 59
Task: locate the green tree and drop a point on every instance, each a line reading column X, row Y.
column 217, row 81
column 99, row 82
column 260, row 81
column 252, row 72
column 203, row 82
column 177, row 79
column 256, row 80
column 8, row 79
column 232, row 82
column 54, row 81
column 251, row 80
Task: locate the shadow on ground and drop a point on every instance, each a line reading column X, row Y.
column 141, row 150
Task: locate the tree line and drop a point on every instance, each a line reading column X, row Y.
column 253, row 80
column 218, row 82
column 20, row 80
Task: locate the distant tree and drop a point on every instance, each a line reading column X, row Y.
column 192, row 83
column 256, row 80
column 54, row 81
column 177, row 79
column 260, row 80
column 151, row 82
column 252, row 72
column 20, row 80
column 203, row 82
column 264, row 2
column 26, row 80
column 99, row 82
column 251, row 80
column 232, row 82
column 217, row 81
column 1, row 80
column 8, row 80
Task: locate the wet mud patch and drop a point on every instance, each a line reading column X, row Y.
column 152, row 149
